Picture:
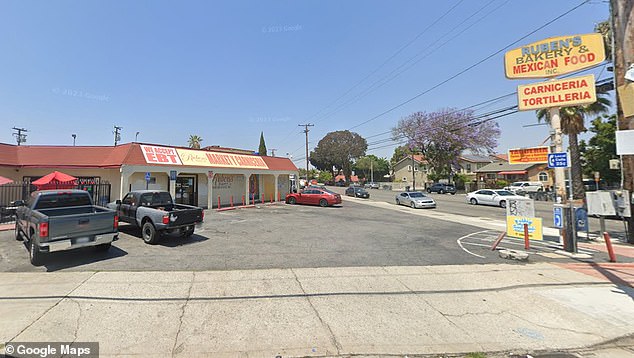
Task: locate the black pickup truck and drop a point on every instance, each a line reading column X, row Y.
column 155, row 213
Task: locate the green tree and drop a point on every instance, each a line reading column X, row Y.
column 262, row 149
column 194, row 141
column 312, row 173
column 597, row 152
column 573, row 123
column 364, row 166
column 338, row 149
column 605, row 30
column 324, row 176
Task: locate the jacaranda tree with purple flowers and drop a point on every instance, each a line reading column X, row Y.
column 442, row 136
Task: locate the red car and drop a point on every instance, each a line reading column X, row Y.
column 314, row 196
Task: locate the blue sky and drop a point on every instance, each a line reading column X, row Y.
column 228, row 70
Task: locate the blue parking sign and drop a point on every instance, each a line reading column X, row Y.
column 147, row 176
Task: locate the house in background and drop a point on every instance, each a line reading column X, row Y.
column 403, row 170
column 493, row 172
column 469, row 163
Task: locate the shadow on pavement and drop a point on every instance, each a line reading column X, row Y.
column 175, row 240
column 78, row 257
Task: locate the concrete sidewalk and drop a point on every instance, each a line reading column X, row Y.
column 320, row 312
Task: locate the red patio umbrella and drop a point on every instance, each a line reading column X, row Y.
column 56, row 180
column 4, row 180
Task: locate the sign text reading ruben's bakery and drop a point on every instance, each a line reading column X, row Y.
column 554, row 56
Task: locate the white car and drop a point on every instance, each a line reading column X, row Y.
column 495, row 197
column 415, row 199
column 523, row 187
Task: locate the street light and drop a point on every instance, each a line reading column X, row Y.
column 74, row 137
column 136, row 136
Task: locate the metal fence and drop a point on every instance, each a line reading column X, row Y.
column 11, row 192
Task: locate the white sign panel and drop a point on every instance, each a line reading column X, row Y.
column 520, row 207
column 625, row 142
column 600, row 203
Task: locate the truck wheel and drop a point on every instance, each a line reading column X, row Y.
column 18, row 236
column 103, row 247
column 189, row 232
column 150, row 236
column 35, row 256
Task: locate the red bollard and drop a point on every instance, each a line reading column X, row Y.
column 497, row 241
column 243, row 200
column 527, row 244
column 271, row 198
column 608, row 243
column 218, row 201
column 279, row 196
column 231, row 201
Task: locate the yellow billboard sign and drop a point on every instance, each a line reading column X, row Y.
column 558, row 93
column 515, row 227
column 215, row 159
column 554, row 56
column 528, row 155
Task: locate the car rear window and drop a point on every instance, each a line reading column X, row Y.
column 62, row 200
column 156, row 199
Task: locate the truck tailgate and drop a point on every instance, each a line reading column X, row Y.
column 185, row 216
column 81, row 225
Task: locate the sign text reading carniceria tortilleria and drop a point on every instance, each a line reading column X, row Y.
column 567, row 92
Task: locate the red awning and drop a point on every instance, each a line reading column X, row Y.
column 4, row 180
column 510, row 172
column 55, row 180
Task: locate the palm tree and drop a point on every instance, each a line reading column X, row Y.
column 573, row 123
column 194, row 141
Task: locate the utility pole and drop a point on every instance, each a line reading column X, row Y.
column 272, row 152
column 413, row 174
column 117, row 134
column 556, row 141
column 74, row 137
column 622, row 22
column 19, row 137
column 371, row 170
column 306, row 130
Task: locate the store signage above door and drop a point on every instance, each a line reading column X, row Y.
column 215, row 159
column 528, row 155
column 568, row 92
column 554, row 56
column 160, row 155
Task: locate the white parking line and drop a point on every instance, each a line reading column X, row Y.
column 465, row 249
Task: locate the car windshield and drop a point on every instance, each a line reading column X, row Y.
column 416, row 195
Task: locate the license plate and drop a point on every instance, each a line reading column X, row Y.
column 82, row 240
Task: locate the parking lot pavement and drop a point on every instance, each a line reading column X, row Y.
column 275, row 236
column 406, row 310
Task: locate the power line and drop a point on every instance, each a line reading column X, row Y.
column 389, row 77
column 19, row 137
column 469, row 67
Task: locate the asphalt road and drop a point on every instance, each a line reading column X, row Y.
column 276, row 236
column 457, row 204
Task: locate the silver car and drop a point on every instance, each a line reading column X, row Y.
column 495, row 197
column 415, row 199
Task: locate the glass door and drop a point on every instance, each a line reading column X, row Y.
column 186, row 192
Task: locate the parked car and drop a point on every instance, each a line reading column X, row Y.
column 357, row 192
column 156, row 214
column 59, row 220
column 495, row 197
column 371, row 185
column 415, row 199
column 314, row 196
column 442, row 188
column 523, row 187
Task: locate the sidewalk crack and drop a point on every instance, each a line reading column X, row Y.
column 176, row 350
column 332, row 337
column 53, row 306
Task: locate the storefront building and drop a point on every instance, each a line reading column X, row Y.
column 204, row 178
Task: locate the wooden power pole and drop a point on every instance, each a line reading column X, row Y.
column 623, row 47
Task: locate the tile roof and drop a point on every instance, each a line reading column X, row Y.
column 504, row 167
column 473, row 158
column 50, row 156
